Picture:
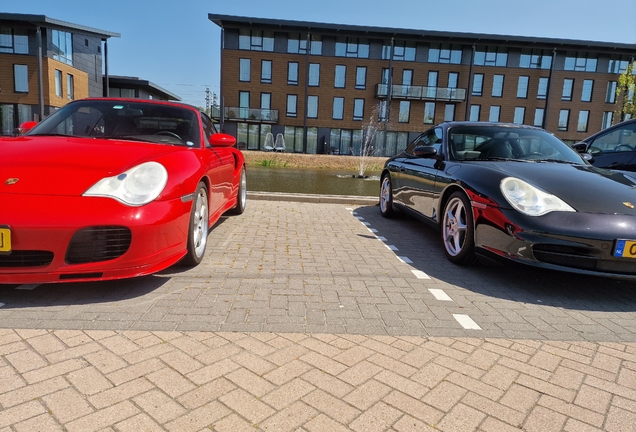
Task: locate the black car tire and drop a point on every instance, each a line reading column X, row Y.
column 241, row 196
column 386, row 197
column 198, row 230
column 458, row 231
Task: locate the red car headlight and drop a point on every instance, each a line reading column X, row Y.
column 135, row 187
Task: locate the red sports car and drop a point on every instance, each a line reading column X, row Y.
column 114, row 188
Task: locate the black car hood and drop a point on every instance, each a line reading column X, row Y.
column 584, row 187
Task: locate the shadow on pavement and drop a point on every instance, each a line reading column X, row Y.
column 422, row 245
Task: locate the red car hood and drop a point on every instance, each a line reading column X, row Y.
column 68, row 166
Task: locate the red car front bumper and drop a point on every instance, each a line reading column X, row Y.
column 46, row 225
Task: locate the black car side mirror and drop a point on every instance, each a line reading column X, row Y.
column 580, row 146
column 425, row 151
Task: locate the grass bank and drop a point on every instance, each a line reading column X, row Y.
column 317, row 161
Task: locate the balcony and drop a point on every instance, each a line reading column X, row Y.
column 251, row 115
column 421, row 93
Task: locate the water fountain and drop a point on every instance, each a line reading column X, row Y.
column 369, row 130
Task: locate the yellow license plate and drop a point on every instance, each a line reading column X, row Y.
column 5, row 239
column 625, row 249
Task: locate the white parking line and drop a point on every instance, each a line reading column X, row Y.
column 440, row 294
column 466, row 322
column 373, row 230
column 381, row 238
column 420, row 274
column 359, row 218
column 391, row 247
column 405, row 260
column 366, row 223
column 27, row 287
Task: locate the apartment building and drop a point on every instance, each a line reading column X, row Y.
column 319, row 84
column 134, row 87
column 45, row 63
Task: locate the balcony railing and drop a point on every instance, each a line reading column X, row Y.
column 255, row 115
column 421, row 93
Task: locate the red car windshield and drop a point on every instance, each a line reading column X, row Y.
column 127, row 120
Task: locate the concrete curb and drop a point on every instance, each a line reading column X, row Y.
column 311, row 198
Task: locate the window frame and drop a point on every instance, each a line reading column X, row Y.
column 495, row 85
column 564, row 120
column 363, row 85
column 358, row 111
column 245, row 70
column 522, row 89
column 290, row 73
column 289, row 104
column 340, row 73
column 20, row 76
column 264, row 78
column 340, row 106
column 567, row 92
column 478, row 83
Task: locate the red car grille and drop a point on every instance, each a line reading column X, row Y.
column 26, row 258
column 95, row 244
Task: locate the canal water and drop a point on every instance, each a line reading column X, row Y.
column 311, row 181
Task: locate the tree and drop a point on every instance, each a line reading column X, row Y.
column 625, row 92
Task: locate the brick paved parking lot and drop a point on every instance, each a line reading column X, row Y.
column 321, row 317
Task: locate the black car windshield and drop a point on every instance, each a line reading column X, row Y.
column 500, row 142
column 122, row 119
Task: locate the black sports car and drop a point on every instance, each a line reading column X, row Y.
column 614, row 147
column 514, row 192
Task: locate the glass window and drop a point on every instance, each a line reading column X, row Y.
column 407, row 77
column 70, row 87
column 494, row 113
column 478, row 84
column 58, row 83
column 405, row 112
column 402, row 50
column 297, row 44
column 14, row 40
column 244, row 70
column 292, row 105
column 607, row 119
column 361, row 77
column 520, row 113
column 474, row 112
column 292, row 73
column 385, row 75
column 431, row 90
column 21, row 78
column 314, row 74
column 581, row 125
column 583, row 62
column 266, row 106
column 445, row 53
column 429, row 112
column 62, row 46
column 312, row 140
column 352, row 47
column 610, row 95
column 538, row 117
column 449, row 112
column 340, row 76
column 617, row 65
column 244, row 104
column 338, row 108
column 453, row 79
column 568, row 84
column 497, row 85
column 358, row 109
column 564, row 117
column 542, row 91
column 312, row 106
column 586, row 93
column 522, row 87
column 256, row 40
column 491, row 56
column 535, row 58
column 266, row 71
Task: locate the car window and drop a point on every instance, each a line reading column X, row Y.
column 432, row 137
column 493, row 142
column 620, row 139
column 121, row 119
column 208, row 128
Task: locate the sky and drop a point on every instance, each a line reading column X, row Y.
column 173, row 43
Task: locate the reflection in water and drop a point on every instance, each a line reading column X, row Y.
column 311, row 181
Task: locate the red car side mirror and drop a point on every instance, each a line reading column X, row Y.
column 26, row 126
column 222, row 140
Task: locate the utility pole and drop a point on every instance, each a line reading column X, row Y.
column 207, row 101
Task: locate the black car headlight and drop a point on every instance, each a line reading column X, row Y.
column 530, row 200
